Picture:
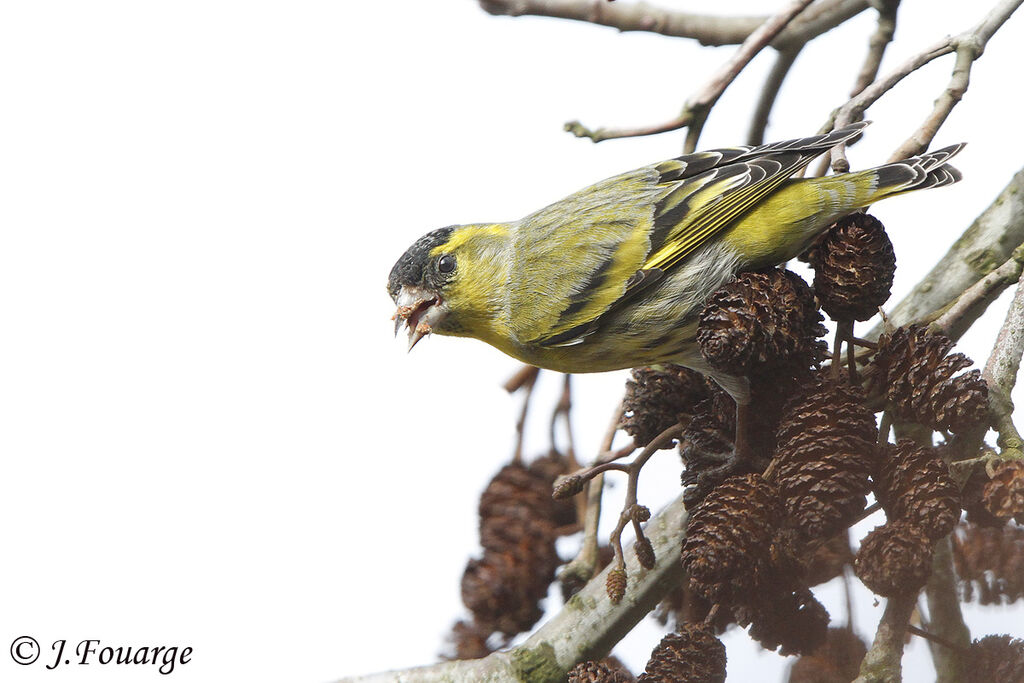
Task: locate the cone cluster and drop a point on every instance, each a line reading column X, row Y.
column 916, row 374
column 503, row 588
column 989, row 563
column 739, row 554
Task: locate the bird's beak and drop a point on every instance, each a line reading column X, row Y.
column 421, row 310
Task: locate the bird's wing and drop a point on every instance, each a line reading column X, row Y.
column 694, row 198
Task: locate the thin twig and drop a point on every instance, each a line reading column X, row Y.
column 585, row 564
column 934, row 638
column 525, row 379
column 769, row 92
column 700, row 103
column 880, row 39
column 968, row 47
column 704, row 28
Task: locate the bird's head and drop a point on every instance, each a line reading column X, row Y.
column 450, row 281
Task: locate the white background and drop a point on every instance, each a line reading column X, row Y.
column 209, row 436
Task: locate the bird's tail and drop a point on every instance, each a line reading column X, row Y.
column 916, row 173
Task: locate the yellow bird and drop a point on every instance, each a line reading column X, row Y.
column 615, row 275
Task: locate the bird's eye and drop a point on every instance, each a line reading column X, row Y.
column 446, row 264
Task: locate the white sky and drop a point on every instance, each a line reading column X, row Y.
column 210, row 437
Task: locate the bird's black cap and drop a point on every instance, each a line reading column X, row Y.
column 409, row 269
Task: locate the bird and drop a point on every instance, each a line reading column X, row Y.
column 615, row 275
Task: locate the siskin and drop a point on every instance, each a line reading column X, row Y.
column 615, row 275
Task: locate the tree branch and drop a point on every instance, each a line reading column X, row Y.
column 968, row 46
column 882, row 662
column 695, row 110
column 1001, row 375
column 704, row 28
column 945, row 620
column 880, row 39
column 769, row 92
column 973, row 302
column 587, row 627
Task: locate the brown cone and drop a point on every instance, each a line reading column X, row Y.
column 1004, row 493
column 792, row 621
column 599, row 672
column 919, row 382
column 518, row 519
column 828, row 559
column 760, row 322
column 469, row 641
column 853, row 268
column 836, row 661
column 615, row 585
column 729, row 535
column 691, row 655
column 894, row 559
column 996, row 658
column 989, row 563
column 824, row 458
column 914, row 485
column 656, row 397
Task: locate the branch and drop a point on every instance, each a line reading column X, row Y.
column 880, row 39
column 1001, row 375
column 705, row 29
column 968, row 46
column 982, row 248
column 759, row 121
column 882, row 662
column 698, row 105
column 971, row 304
column 945, row 620
column 587, row 627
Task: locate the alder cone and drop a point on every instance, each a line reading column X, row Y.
column 838, row 660
column 656, row 397
column 599, row 672
column 761, row 322
column 914, row 485
column 825, row 456
column 894, row 559
column 794, row 622
column 912, row 370
column 854, row 265
column 730, row 534
column 691, row 655
column 989, row 563
column 996, row 658
column 1004, row 493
